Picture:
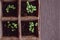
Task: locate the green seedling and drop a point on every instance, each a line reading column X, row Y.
column 10, row 7
column 31, row 26
column 13, row 25
column 30, row 8
column 36, row 24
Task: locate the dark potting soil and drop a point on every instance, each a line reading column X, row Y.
column 7, row 31
column 25, row 29
column 12, row 12
column 24, row 11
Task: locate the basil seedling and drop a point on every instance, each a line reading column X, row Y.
column 10, row 7
column 13, row 25
column 31, row 27
column 30, row 8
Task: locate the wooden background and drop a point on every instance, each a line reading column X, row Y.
column 50, row 19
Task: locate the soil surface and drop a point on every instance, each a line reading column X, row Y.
column 7, row 31
column 24, row 11
column 11, row 11
column 25, row 28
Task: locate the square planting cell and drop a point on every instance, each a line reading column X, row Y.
column 10, row 9
column 10, row 28
column 29, row 28
column 24, row 9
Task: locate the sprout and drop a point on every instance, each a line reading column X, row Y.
column 36, row 24
column 30, row 8
column 31, row 27
column 15, row 25
column 10, row 7
column 13, row 29
column 12, row 25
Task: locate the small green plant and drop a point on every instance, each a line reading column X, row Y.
column 31, row 26
column 30, row 8
column 36, row 24
column 10, row 7
column 13, row 25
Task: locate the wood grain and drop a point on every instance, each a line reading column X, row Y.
column 0, row 20
column 29, row 18
column 9, row 18
column 19, row 19
column 9, row 38
column 29, row 38
column 50, row 10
